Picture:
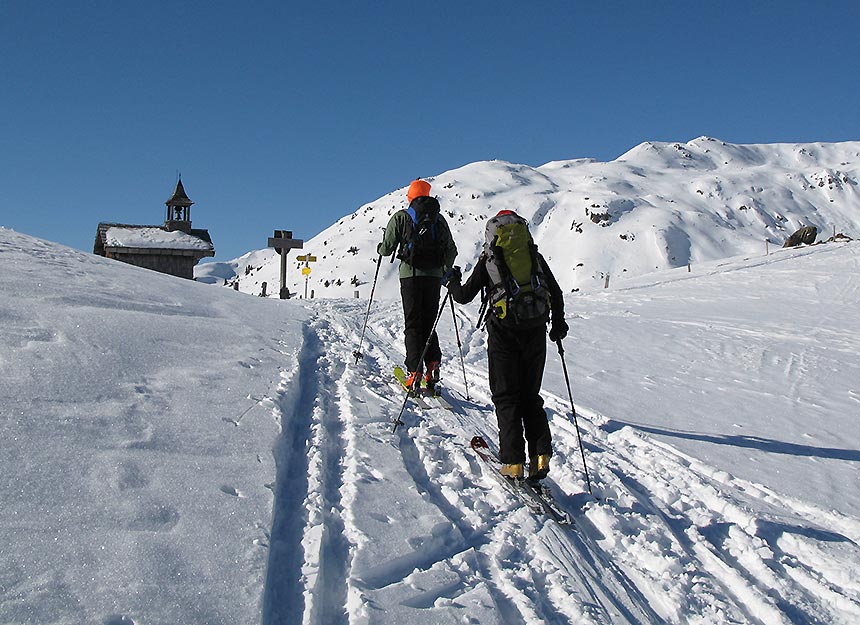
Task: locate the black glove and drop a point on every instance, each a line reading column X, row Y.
column 558, row 330
column 452, row 275
column 379, row 248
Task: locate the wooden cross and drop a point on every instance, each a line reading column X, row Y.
column 283, row 242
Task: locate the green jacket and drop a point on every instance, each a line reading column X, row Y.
column 393, row 237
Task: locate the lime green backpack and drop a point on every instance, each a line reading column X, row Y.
column 517, row 293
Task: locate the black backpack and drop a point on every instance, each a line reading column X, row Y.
column 420, row 244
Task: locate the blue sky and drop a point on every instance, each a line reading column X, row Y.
column 290, row 116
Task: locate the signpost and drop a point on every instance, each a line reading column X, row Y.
column 283, row 242
column 306, row 270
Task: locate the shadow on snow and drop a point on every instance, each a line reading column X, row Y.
column 752, row 442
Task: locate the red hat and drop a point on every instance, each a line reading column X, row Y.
column 505, row 212
column 418, row 188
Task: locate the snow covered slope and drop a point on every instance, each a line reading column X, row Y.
column 175, row 453
column 137, row 427
column 659, row 206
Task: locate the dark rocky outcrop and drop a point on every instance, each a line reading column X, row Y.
column 805, row 236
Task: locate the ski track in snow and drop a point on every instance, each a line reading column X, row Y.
column 666, row 539
column 309, row 558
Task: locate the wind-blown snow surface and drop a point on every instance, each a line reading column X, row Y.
column 657, row 207
column 175, row 453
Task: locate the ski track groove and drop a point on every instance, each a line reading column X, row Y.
column 329, row 438
column 308, row 564
column 282, row 597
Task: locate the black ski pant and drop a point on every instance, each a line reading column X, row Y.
column 516, row 362
column 420, row 295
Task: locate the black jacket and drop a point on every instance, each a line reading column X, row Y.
column 479, row 281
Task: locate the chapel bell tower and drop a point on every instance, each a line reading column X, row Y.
column 178, row 210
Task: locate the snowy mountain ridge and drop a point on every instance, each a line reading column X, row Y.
column 658, row 206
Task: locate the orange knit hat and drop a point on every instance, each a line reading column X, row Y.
column 418, row 188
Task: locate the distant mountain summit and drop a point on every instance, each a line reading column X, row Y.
column 658, row 206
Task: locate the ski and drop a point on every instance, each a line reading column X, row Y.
column 436, row 396
column 424, row 397
column 400, row 379
column 533, row 494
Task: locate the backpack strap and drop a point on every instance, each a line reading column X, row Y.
column 537, row 268
column 500, row 288
column 404, row 250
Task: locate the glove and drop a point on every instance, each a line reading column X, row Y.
column 452, row 275
column 558, row 330
column 379, row 248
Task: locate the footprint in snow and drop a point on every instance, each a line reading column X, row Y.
column 153, row 517
column 229, row 490
column 130, row 476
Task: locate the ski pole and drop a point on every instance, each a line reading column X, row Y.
column 573, row 409
column 417, row 381
column 460, row 346
column 357, row 353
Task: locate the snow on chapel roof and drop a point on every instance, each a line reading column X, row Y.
column 153, row 237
